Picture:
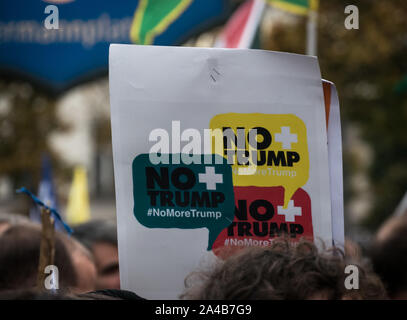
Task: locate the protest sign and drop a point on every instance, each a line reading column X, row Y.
column 335, row 162
column 213, row 148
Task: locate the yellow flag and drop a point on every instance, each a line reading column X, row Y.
column 78, row 210
column 301, row 7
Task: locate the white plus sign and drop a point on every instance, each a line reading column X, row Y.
column 286, row 137
column 210, row 178
column 289, row 213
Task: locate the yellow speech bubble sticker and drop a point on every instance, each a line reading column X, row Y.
column 264, row 150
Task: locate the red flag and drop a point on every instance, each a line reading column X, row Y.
column 241, row 28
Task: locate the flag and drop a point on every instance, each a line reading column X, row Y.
column 78, row 210
column 172, row 22
column 307, row 8
column 46, row 192
column 301, row 7
column 241, row 28
column 154, row 17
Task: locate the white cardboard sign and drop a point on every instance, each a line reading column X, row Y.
column 173, row 217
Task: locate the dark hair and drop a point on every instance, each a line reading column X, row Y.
column 389, row 257
column 279, row 272
column 19, row 258
column 96, row 231
column 13, row 219
column 34, row 294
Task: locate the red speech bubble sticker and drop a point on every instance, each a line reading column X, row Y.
column 260, row 218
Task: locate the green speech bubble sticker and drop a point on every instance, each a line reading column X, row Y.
column 184, row 196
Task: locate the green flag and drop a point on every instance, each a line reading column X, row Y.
column 153, row 17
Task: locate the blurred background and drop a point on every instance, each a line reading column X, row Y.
column 55, row 136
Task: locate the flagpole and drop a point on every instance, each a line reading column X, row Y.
column 47, row 246
column 312, row 29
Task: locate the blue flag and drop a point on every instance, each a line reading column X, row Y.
column 46, row 193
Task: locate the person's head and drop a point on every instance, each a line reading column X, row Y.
column 35, row 294
column 281, row 272
column 8, row 219
column 19, row 259
column 100, row 237
column 389, row 256
column 83, row 263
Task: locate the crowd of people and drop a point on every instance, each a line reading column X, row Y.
column 88, row 267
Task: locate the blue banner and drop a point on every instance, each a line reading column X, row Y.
column 59, row 43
